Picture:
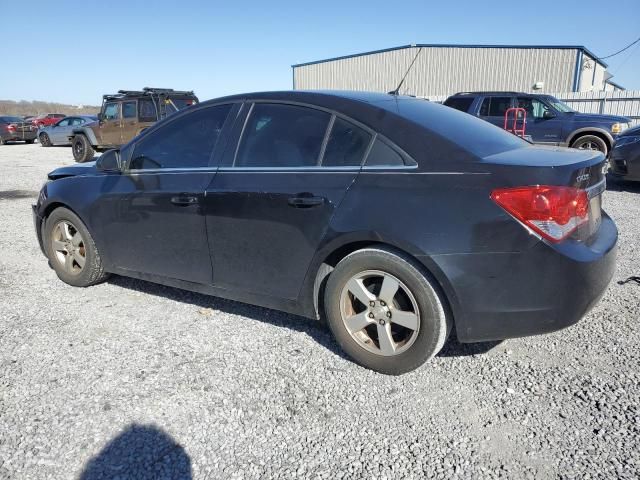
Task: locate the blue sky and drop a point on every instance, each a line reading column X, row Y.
column 73, row 52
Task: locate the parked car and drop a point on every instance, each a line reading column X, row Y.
column 59, row 133
column 624, row 160
column 13, row 129
column 123, row 116
column 393, row 217
column 548, row 121
column 46, row 119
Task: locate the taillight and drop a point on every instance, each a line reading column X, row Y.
column 11, row 128
column 553, row 212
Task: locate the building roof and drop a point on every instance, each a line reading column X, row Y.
column 444, row 45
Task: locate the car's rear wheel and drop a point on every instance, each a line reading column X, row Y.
column 590, row 142
column 71, row 249
column 82, row 149
column 384, row 311
column 45, row 141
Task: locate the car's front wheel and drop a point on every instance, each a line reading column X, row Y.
column 590, row 142
column 82, row 149
column 71, row 249
column 384, row 311
column 45, row 141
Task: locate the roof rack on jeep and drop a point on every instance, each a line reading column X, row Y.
column 147, row 91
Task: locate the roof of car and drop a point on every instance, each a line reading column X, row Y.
column 496, row 92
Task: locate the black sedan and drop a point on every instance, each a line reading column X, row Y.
column 15, row 129
column 625, row 155
column 394, row 218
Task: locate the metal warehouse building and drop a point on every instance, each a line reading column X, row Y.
column 446, row 69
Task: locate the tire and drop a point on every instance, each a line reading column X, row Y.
column 82, row 149
column 66, row 265
column 590, row 142
column 417, row 300
column 45, row 141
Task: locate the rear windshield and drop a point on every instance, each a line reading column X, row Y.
column 459, row 103
column 11, row 119
column 474, row 135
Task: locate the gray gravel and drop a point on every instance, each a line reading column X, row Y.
column 132, row 380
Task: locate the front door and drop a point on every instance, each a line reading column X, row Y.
column 59, row 132
column 269, row 206
column 154, row 222
column 110, row 125
column 542, row 124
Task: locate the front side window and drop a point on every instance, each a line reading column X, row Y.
column 534, row 108
column 63, row 123
column 279, row 135
column 111, row 111
column 129, row 109
column 346, row 146
column 495, row 106
column 78, row 121
column 187, row 142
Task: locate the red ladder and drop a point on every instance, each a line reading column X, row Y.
column 514, row 118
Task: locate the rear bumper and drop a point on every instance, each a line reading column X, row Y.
column 19, row 136
column 540, row 290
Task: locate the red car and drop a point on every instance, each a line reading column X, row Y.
column 46, row 119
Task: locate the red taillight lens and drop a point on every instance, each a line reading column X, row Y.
column 553, row 212
column 11, row 127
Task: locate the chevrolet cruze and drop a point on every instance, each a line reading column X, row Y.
column 393, row 218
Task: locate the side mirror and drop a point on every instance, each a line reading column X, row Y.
column 100, row 116
column 109, row 161
column 548, row 114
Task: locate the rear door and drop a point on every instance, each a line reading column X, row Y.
column 493, row 109
column 270, row 204
column 153, row 213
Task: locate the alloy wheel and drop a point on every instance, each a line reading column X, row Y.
column 68, row 247
column 380, row 313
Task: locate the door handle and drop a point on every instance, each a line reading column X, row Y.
column 184, row 200
column 305, row 200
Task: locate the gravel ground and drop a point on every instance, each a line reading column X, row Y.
column 132, row 380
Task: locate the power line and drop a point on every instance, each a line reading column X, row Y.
column 622, row 50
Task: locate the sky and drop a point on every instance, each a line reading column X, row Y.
column 74, row 52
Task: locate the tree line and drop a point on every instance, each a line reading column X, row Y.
column 23, row 108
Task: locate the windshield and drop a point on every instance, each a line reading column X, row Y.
column 559, row 105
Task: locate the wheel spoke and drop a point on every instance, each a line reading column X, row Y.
column 406, row 319
column 387, row 345
column 78, row 258
column 388, row 289
column 68, row 262
column 58, row 246
column 76, row 239
column 357, row 322
column 65, row 230
column 357, row 288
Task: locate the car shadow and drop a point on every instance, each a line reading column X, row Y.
column 618, row 185
column 313, row 328
column 142, row 452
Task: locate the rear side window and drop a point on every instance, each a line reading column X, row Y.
column 282, row 136
column 184, row 143
column 147, row 110
column 459, row 103
column 346, row 146
column 495, row 106
column 129, row 109
column 382, row 155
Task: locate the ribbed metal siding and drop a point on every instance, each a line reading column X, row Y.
column 444, row 70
